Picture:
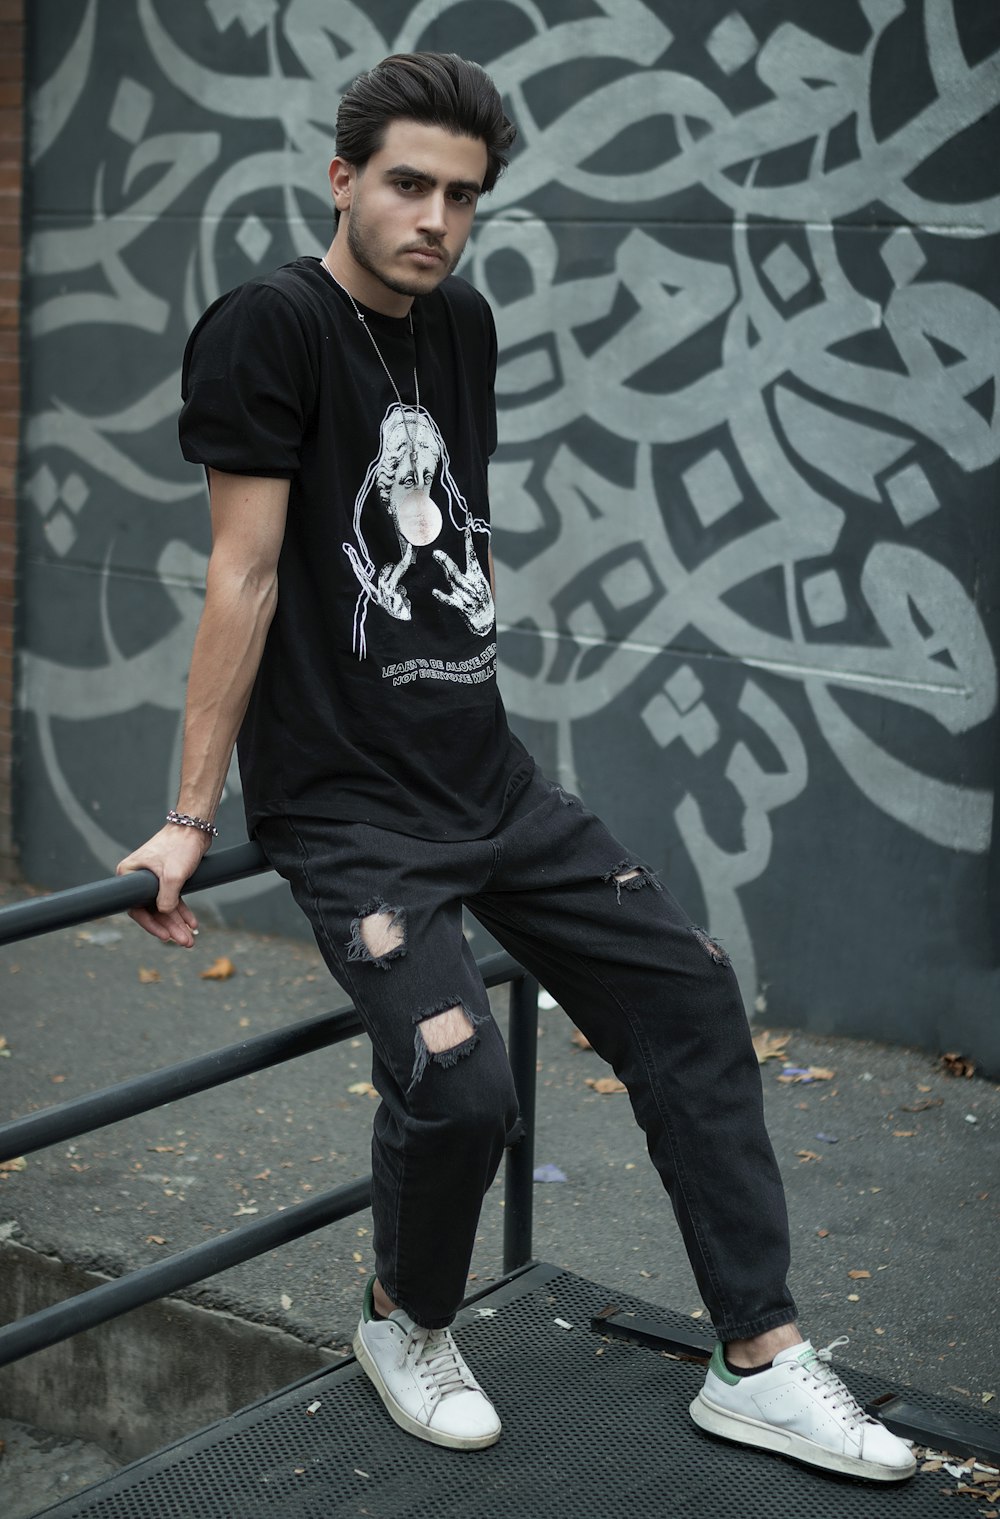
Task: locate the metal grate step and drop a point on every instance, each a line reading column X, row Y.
column 593, row 1428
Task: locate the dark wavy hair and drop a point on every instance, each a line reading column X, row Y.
column 438, row 89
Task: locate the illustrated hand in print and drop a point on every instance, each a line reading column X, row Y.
column 386, row 591
column 470, row 590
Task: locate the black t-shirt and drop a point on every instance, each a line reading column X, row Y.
column 376, row 698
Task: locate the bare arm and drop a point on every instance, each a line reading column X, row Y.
column 241, row 593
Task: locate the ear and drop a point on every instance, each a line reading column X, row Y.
column 342, row 179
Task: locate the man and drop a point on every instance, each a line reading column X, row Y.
column 344, row 411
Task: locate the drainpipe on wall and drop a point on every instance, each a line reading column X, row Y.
column 12, row 27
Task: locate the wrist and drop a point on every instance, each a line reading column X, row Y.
column 188, row 820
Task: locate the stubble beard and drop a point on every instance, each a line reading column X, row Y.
column 368, row 251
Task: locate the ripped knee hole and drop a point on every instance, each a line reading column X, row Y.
column 447, row 1030
column 632, row 877
column 443, row 1034
column 716, row 951
column 378, row 934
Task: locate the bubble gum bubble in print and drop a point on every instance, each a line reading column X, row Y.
column 417, row 518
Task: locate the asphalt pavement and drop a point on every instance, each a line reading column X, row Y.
column 891, row 1161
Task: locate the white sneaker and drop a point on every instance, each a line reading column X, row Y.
column 800, row 1408
column 423, row 1380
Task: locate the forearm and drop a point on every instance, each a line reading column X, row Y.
column 228, row 648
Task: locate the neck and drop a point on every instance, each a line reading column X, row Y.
column 366, row 288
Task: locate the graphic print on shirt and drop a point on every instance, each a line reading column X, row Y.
column 411, row 454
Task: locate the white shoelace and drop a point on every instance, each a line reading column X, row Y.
column 438, row 1362
column 842, row 1401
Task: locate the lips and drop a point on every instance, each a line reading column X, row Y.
column 425, row 253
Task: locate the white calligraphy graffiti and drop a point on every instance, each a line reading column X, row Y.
column 743, row 343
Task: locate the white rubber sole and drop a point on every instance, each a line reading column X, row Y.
column 406, row 1420
column 733, row 1426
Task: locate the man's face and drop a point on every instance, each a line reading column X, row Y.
column 410, row 209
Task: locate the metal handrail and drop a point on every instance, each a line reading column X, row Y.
column 78, row 904
column 140, row 1094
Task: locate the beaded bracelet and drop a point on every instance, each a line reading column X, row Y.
column 202, row 824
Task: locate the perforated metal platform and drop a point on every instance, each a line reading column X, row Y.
column 591, row 1428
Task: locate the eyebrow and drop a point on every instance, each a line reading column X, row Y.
column 406, row 171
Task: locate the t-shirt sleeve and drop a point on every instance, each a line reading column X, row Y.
column 248, row 385
column 491, row 373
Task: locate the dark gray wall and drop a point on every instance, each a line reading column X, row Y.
column 744, row 267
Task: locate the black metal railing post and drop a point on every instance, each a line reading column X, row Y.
column 522, row 1049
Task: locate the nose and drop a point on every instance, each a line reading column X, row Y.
column 433, row 215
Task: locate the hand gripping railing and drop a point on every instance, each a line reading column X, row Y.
column 79, row 1116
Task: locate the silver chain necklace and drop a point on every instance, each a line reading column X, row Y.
column 411, row 437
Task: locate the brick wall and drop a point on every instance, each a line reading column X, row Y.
column 11, row 169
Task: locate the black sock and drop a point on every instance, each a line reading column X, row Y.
column 746, row 1371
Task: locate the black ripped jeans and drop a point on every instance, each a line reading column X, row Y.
column 654, row 996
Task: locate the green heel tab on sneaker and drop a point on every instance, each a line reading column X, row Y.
column 718, row 1366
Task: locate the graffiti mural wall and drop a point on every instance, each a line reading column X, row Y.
column 744, row 269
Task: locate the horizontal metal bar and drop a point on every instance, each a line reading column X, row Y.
column 111, row 1299
column 63, row 909
column 950, row 1429
column 689, row 1345
column 140, row 1094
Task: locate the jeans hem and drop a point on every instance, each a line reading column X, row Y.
column 750, row 1328
column 436, row 1321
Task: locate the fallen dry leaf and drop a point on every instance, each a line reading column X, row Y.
column 921, row 1107
column 580, row 1040
column 605, row 1084
column 362, row 1089
column 770, row 1047
column 17, row 1164
column 155, row 1239
column 147, row 975
column 822, row 1233
column 903, row 1133
column 859, row 1276
column 220, row 971
column 808, row 1155
column 955, row 1064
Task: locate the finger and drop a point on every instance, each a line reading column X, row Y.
column 151, row 923
column 187, row 915
column 168, row 896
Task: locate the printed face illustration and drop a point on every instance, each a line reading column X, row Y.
column 412, row 457
column 404, row 492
